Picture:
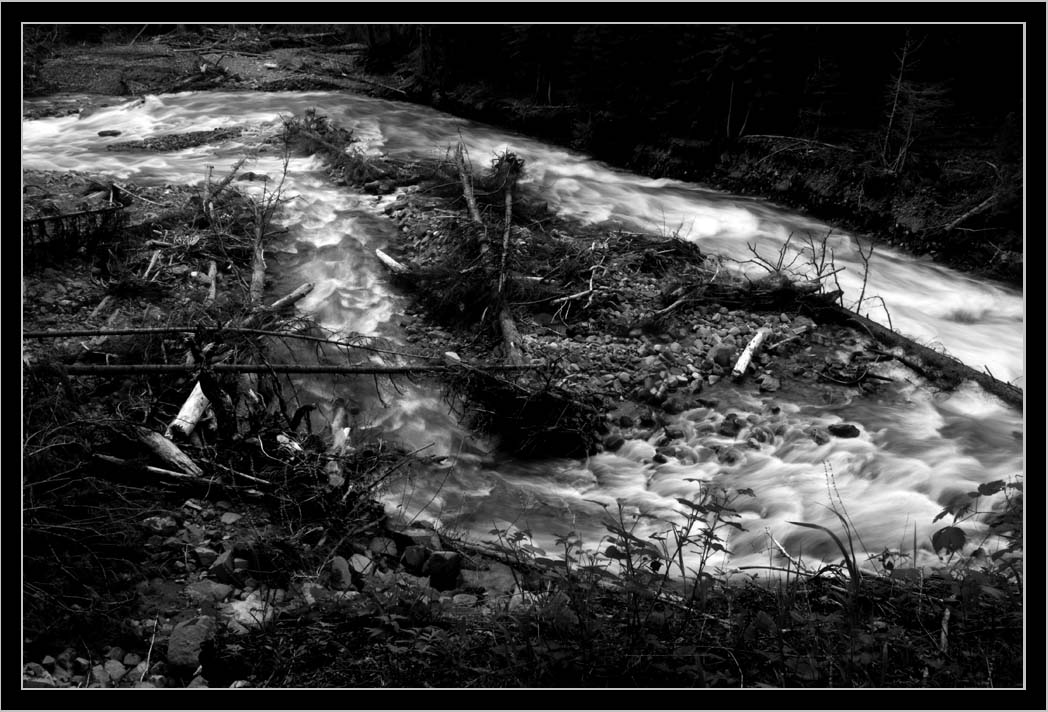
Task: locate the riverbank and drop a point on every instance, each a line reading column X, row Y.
column 960, row 202
column 334, row 594
column 960, row 209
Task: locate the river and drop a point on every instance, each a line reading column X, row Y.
column 918, row 450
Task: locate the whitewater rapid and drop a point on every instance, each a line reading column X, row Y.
column 918, row 451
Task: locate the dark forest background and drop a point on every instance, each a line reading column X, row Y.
column 911, row 133
column 826, row 82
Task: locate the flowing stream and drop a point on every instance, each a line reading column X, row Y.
column 918, row 451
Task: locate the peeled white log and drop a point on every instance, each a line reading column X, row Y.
column 391, row 264
column 190, row 413
column 747, row 354
column 168, row 451
column 289, row 299
column 212, row 276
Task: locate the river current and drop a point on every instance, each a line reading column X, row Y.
column 918, row 450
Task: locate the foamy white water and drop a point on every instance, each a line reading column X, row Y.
column 917, row 452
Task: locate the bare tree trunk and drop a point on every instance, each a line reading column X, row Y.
column 895, row 101
column 471, row 201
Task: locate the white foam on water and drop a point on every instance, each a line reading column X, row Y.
column 916, row 453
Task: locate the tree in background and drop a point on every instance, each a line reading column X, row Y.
column 912, row 106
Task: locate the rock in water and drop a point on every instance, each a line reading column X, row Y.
column 844, row 430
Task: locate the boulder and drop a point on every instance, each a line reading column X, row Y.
column 99, row 677
column 115, row 669
column 205, row 555
column 731, row 425
column 206, row 591
column 341, row 574
column 497, row 579
column 844, row 430
column 414, row 558
column 443, row 568
column 769, row 383
column 188, row 639
column 363, row 565
column 422, row 537
column 34, row 675
column 382, row 546
column 722, row 354
column 253, row 612
column 466, row 600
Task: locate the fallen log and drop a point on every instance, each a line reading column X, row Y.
column 471, row 200
column 212, row 275
column 167, row 451
column 927, row 362
column 748, row 353
column 225, row 181
column 256, row 316
column 97, row 310
column 191, row 411
column 313, row 136
column 391, row 264
column 258, row 271
column 150, row 469
column 152, row 261
column 512, row 166
column 292, row 298
column 510, row 337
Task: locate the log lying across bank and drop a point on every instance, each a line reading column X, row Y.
column 938, row 367
column 930, row 363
